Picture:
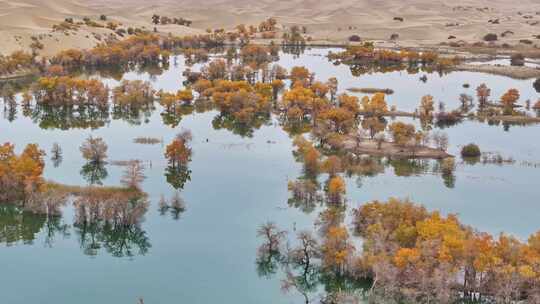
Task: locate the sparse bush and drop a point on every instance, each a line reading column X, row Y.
column 517, row 59
column 354, row 38
column 448, row 118
column 470, row 150
column 506, row 33
column 491, row 37
column 536, row 85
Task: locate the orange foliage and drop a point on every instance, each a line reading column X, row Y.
column 20, row 175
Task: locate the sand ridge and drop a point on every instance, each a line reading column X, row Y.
column 424, row 22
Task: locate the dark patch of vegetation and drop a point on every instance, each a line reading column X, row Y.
column 354, row 38
column 490, row 37
column 471, row 150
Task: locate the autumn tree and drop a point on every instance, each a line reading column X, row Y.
column 332, row 165
column 305, row 194
column 426, row 107
column 483, row 93
column 301, row 75
column 332, row 85
column 20, row 175
column 374, row 125
column 508, row 100
column 178, row 152
column 375, row 106
column 402, row 133
column 337, row 250
column 306, row 152
column 336, row 189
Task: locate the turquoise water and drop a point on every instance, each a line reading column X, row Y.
column 237, row 183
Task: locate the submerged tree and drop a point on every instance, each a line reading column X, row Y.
column 56, row 155
column 483, row 93
column 508, row 100
column 133, row 175
column 178, row 154
column 94, row 173
column 269, row 253
column 94, row 150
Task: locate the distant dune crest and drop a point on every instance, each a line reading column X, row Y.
column 414, row 22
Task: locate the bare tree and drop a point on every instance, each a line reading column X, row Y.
column 133, row 175
column 177, row 205
column 466, row 101
column 56, row 154
column 94, row 150
column 163, row 205
column 441, row 140
column 273, row 237
column 379, row 138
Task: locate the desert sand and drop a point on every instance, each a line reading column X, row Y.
column 425, row 22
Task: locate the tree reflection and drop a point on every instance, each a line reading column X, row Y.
column 118, row 240
column 176, row 206
column 66, row 117
column 110, row 218
column 17, row 225
column 56, row 155
column 177, row 176
column 94, row 172
column 306, row 194
column 269, row 255
column 244, row 129
column 310, row 265
column 173, row 118
column 409, row 167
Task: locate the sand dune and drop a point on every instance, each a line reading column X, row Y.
column 425, row 22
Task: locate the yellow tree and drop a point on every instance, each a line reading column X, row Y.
column 178, row 152
column 375, row 106
column 336, row 189
column 337, row 250
column 426, row 107
column 483, row 92
column 402, row 132
column 509, row 100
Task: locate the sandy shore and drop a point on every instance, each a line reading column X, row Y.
column 512, row 119
column 521, row 72
column 389, row 149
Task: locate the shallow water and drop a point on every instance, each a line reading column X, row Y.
column 237, row 184
column 505, row 61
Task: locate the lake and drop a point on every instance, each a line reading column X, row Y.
column 237, row 183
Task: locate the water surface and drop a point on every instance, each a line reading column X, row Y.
column 237, row 183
